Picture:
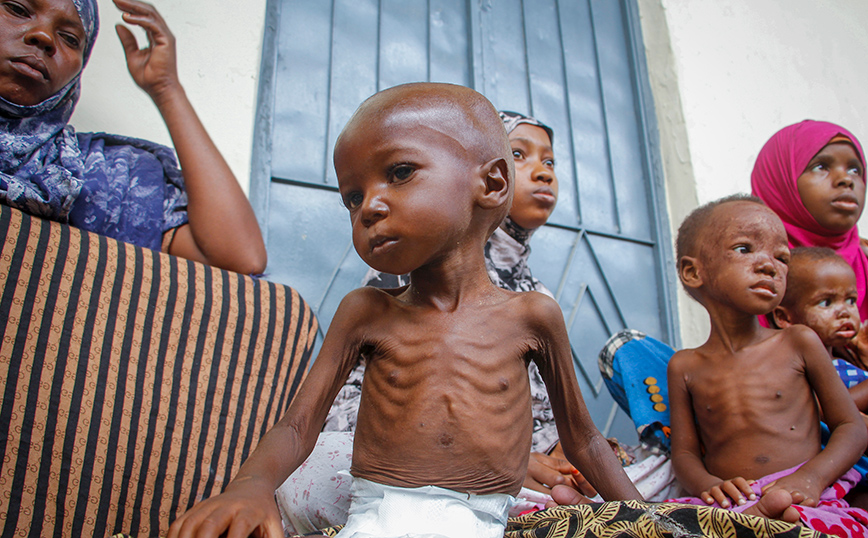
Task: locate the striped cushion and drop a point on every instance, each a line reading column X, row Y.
column 133, row 383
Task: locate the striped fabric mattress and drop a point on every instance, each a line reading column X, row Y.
column 133, row 382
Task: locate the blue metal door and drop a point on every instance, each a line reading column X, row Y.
column 577, row 65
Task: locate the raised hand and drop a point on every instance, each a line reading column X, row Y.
column 153, row 68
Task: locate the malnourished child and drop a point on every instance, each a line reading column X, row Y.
column 822, row 294
column 444, row 428
column 745, row 421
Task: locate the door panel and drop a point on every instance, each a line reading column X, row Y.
column 569, row 63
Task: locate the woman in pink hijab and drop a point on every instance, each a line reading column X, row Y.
column 812, row 174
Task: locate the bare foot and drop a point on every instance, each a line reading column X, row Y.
column 776, row 504
column 562, row 494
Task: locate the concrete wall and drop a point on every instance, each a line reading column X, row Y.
column 218, row 44
column 726, row 74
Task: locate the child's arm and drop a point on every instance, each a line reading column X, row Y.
column 222, row 228
column 582, row 442
column 849, row 436
column 686, row 452
column 248, row 503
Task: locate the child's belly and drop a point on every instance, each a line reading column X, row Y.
column 755, row 454
column 470, row 446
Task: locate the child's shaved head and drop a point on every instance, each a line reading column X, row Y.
column 694, row 225
column 461, row 115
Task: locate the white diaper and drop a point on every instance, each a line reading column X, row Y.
column 379, row 511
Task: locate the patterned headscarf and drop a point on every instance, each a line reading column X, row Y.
column 40, row 164
column 775, row 180
column 511, row 120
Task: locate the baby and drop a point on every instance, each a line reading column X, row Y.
column 425, row 172
column 745, row 422
column 822, row 294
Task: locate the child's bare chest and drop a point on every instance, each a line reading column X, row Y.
column 455, row 396
column 746, row 401
column 469, row 357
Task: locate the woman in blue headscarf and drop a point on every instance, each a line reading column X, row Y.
column 129, row 189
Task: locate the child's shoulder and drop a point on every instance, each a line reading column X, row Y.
column 535, row 305
column 799, row 336
column 538, row 313
column 365, row 301
column 683, row 359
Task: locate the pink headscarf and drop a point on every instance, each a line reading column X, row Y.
column 774, row 180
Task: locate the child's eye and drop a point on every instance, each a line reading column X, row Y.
column 16, row 9
column 402, row 171
column 516, row 154
column 818, row 167
column 742, row 249
column 851, row 301
column 549, row 162
column 825, row 303
column 855, row 171
column 353, row 200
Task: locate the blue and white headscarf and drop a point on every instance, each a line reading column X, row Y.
column 125, row 188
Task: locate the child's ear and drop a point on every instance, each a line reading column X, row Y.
column 496, row 191
column 688, row 272
column 781, row 317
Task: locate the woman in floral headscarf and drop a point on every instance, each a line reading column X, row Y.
column 129, row 189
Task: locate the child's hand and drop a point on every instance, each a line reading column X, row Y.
column 804, row 492
column 153, row 68
column 738, row 489
column 545, row 472
column 246, row 508
column 565, row 495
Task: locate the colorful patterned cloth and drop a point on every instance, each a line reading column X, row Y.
column 643, row 520
column 633, row 366
column 849, row 374
column 832, row 515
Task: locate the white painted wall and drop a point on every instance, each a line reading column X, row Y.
column 218, row 44
column 726, row 74
column 742, row 69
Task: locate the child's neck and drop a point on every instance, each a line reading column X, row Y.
column 447, row 284
column 733, row 330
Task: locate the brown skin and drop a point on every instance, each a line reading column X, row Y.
column 825, row 300
column 729, row 428
column 536, row 185
column 832, row 187
column 42, row 45
column 536, row 194
column 426, row 178
column 222, row 229
column 41, row 50
column 826, row 303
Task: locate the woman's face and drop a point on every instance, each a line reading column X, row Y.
column 832, row 187
column 42, row 46
column 536, row 186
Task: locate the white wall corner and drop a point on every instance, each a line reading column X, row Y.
column 679, row 178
